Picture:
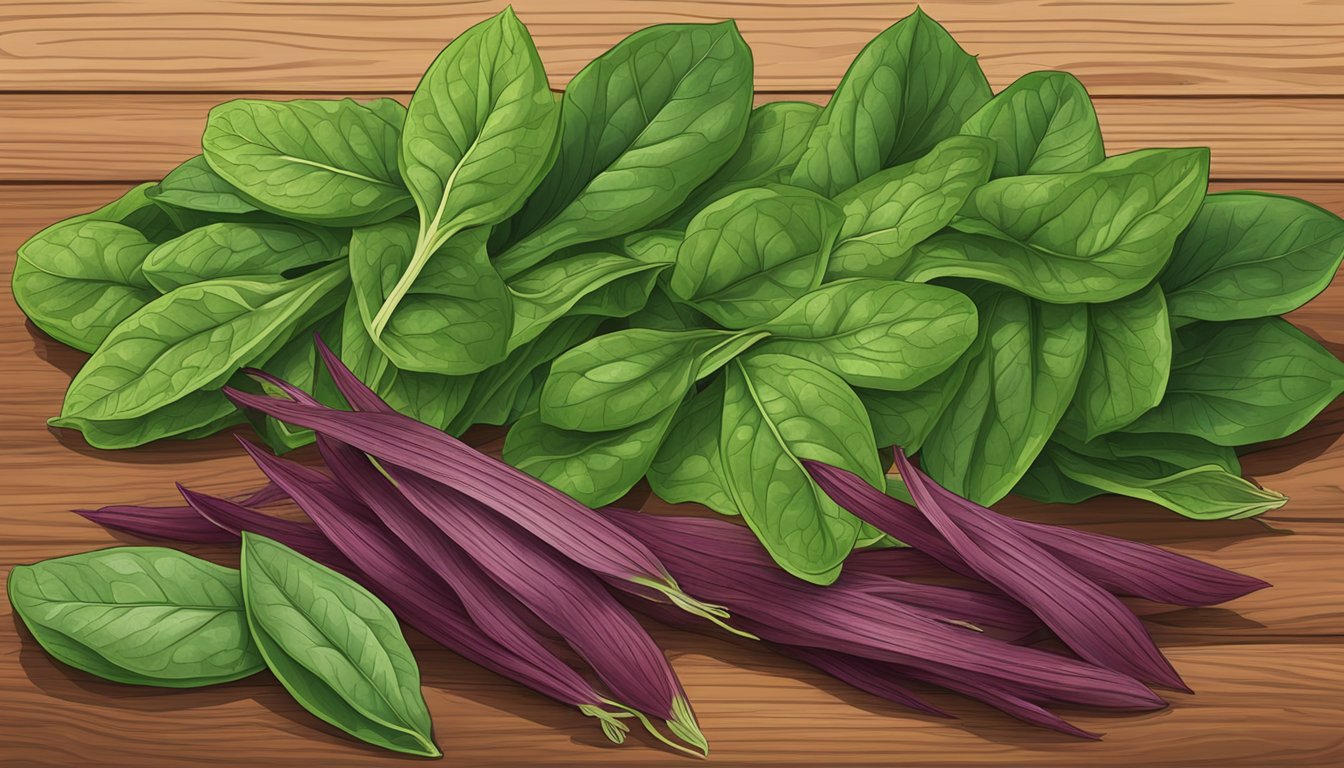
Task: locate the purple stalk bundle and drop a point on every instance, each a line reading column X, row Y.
column 175, row 523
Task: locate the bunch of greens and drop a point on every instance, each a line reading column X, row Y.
column 651, row 278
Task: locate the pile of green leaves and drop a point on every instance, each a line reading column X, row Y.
column 650, row 277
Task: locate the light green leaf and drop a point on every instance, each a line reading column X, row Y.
column 876, row 333
column 138, row 615
column 1244, row 382
column 601, row 284
column 1251, row 254
column 893, row 210
column 748, row 256
column 320, row 161
column 1042, row 123
column 689, row 465
column 234, row 249
column 336, row 648
column 1092, row 236
column 642, row 126
column 194, row 185
column 908, row 89
column 778, row 411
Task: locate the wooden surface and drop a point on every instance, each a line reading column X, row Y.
column 96, row 95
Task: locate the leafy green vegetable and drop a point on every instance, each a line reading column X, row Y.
column 319, row 161
column 336, row 648
column 138, row 615
column 1244, row 382
column 478, row 138
column 602, row 284
column 455, row 318
column 1091, row 236
column 194, row 185
column 640, row 127
column 748, row 256
column 1023, row 369
column 777, row 411
column 875, row 333
column 689, row 465
column 1042, row 123
column 908, row 89
column 1128, row 362
column 138, row 211
column 233, row 249
column 1251, row 254
column 907, row 417
column 890, row 212
column 78, row 279
column 621, row 379
column 297, row 363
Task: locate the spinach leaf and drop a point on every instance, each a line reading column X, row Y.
column 1244, row 382
column 235, row 249
column 597, row 468
column 601, row 284
column 1046, row 482
column 78, row 279
column 906, row 418
column 1128, row 362
column 456, row 317
column 1091, row 236
column 138, row 615
column 890, row 212
column 748, row 256
column 641, row 126
column 1042, row 123
column 689, row 465
column 479, row 136
column 1021, row 374
column 297, row 363
column 319, row 161
column 194, row 185
column 652, row 246
column 664, row 313
column 621, row 379
column 1251, row 254
column 336, row 648
column 777, row 411
column 911, row 87
column 876, row 333
column 195, row 415
column 776, row 136
column 193, row 339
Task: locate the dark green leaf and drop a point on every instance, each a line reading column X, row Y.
column 601, row 284
column 194, row 185
column 664, row 313
column 906, row 418
column 234, row 249
column 1042, row 123
column 689, row 465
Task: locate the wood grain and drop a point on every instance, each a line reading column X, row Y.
column 136, row 137
column 1229, row 48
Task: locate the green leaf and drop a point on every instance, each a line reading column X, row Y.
column 1092, row 236
column 664, row 313
column 908, row 89
column 776, row 135
column 319, row 161
column 906, row 418
column 1250, row 254
column 1244, row 382
column 597, row 468
column 1042, row 123
column 336, row 648
column 621, row 379
column 234, row 249
column 748, row 256
column 1046, row 482
column 779, row 410
column 297, row 363
column 1021, row 374
column 641, row 126
column 601, row 284
column 78, row 279
column 194, row 185
column 1128, row 362
column 651, row 246
column 876, row 333
column 193, row 339
column 135, row 209
column 689, row 465
column 138, row 615
column 893, row 210
column 454, row 319
column 195, row 415
column 479, row 135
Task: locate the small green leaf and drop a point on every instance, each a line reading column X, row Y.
column 905, row 418
column 876, row 333
column 748, row 256
column 336, row 648
column 138, row 615
column 194, row 185
column 1042, row 123
column 601, row 284
column 234, row 249
column 689, row 465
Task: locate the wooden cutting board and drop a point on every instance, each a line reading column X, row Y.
column 97, row 96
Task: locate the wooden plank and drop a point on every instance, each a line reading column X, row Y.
column 130, row 137
column 1234, row 47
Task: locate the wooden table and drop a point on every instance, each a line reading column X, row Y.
column 97, row 96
